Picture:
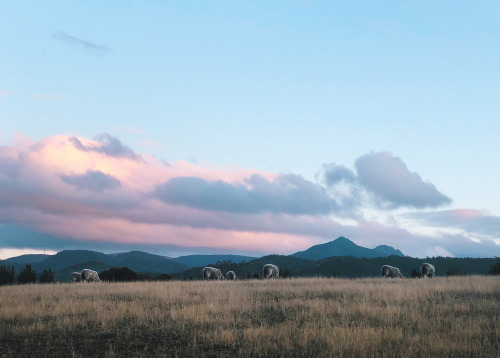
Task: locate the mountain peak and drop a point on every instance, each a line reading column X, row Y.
column 342, row 246
column 342, row 240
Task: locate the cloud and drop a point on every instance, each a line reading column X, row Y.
column 387, row 179
column 63, row 37
column 17, row 238
column 476, row 225
column 41, row 188
column 109, row 145
column 4, row 93
column 74, row 192
column 113, row 147
column 289, row 194
column 335, row 173
column 92, row 180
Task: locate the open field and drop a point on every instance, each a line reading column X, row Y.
column 307, row 317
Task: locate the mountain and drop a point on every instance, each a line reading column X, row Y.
column 67, row 261
column 26, row 259
column 140, row 261
column 204, row 260
column 345, row 247
column 68, row 258
column 389, row 250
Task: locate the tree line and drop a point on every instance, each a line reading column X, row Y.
column 27, row 275
column 351, row 267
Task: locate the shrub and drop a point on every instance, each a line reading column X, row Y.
column 123, row 274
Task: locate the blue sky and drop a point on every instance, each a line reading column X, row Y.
column 281, row 90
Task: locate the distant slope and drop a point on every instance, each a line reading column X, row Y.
column 345, row 247
column 204, row 260
column 26, row 259
column 140, row 261
column 68, row 258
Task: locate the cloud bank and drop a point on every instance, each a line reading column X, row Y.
column 68, row 192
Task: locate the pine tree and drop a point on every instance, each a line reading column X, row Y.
column 7, row 275
column 47, row 276
column 27, row 275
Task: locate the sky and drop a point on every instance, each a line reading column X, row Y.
column 252, row 128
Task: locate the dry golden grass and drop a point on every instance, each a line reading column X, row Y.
column 314, row 317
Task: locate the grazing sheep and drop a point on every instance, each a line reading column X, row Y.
column 212, row 273
column 391, row 271
column 427, row 270
column 230, row 275
column 76, row 277
column 89, row 276
column 271, row 271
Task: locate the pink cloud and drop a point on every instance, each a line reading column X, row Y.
column 22, row 141
column 36, row 195
column 4, row 93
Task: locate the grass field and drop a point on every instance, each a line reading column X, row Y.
column 307, row 317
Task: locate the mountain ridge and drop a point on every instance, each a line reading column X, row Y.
column 67, row 261
column 138, row 261
column 345, row 247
